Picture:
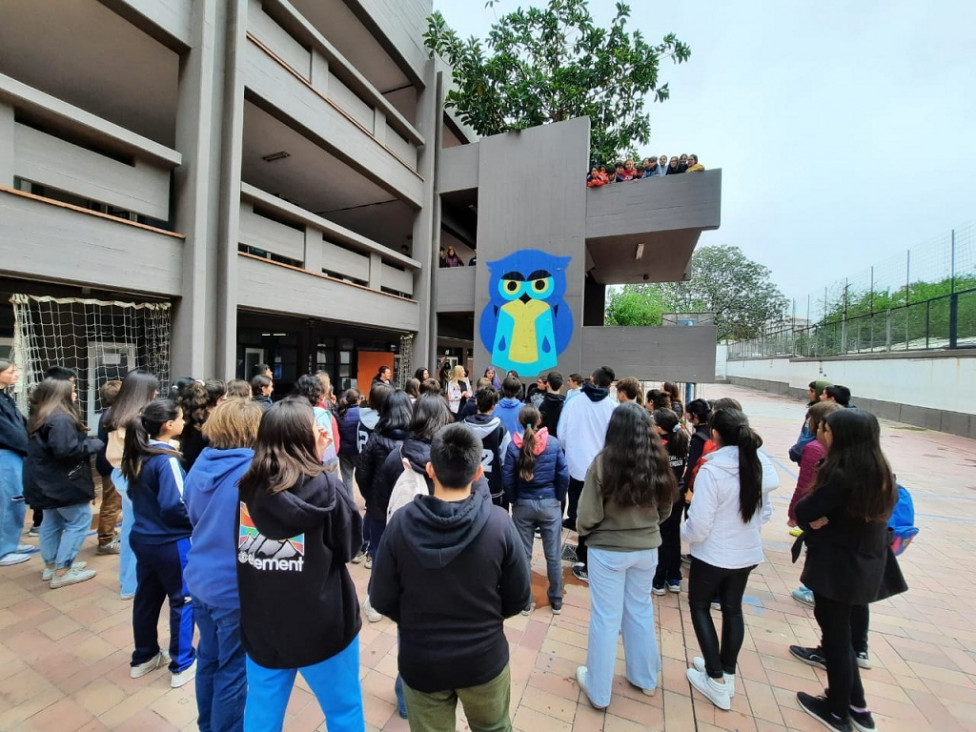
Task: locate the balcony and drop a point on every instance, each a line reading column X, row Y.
column 647, row 230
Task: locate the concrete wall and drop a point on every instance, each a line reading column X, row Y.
column 935, row 390
column 651, row 354
column 519, row 212
column 455, row 290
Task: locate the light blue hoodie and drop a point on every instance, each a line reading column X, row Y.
column 210, row 494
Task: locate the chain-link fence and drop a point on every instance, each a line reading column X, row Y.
column 922, row 299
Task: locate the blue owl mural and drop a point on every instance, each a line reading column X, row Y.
column 527, row 323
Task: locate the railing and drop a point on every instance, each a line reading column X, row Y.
column 944, row 322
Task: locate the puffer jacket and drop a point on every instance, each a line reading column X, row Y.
column 550, row 474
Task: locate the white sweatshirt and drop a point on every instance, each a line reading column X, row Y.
column 582, row 429
column 714, row 527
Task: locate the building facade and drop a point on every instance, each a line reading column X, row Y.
column 282, row 174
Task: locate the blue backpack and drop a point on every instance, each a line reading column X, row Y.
column 902, row 521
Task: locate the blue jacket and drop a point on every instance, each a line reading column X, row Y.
column 507, row 410
column 348, row 429
column 212, row 503
column 157, row 500
column 550, row 475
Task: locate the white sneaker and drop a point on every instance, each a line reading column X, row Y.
column 371, row 615
column 147, row 667
column 729, row 678
column 581, row 680
column 368, row 562
column 27, row 549
column 527, row 610
column 13, row 558
column 715, row 692
column 185, row 676
column 72, row 577
column 48, row 573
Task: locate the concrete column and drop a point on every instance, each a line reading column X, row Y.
column 313, row 250
column 379, row 125
column 375, row 271
column 319, row 73
column 196, row 189
column 6, row 145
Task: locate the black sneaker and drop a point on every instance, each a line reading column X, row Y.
column 816, row 707
column 569, row 553
column 863, row 659
column 557, row 608
column 580, row 573
column 813, row 656
column 862, row 721
column 569, row 524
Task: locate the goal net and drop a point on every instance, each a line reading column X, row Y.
column 99, row 340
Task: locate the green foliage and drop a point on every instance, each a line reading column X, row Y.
column 724, row 281
column 866, row 302
column 553, row 64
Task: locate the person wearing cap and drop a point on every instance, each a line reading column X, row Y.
column 816, row 388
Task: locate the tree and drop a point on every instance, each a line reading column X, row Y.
column 724, row 281
column 553, row 64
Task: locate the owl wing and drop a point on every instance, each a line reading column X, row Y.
column 488, row 325
column 562, row 321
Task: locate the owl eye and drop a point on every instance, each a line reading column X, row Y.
column 510, row 289
column 539, row 285
column 511, row 286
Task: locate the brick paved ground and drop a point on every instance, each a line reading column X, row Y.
column 64, row 653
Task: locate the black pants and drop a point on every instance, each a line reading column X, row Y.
column 705, row 582
column 844, row 687
column 669, row 555
column 575, row 489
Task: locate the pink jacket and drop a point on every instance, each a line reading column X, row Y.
column 813, row 453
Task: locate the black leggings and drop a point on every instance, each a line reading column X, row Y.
column 705, row 582
column 844, row 687
column 669, row 555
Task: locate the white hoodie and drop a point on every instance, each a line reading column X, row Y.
column 714, row 527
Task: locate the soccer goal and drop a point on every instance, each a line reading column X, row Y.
column 100, row 340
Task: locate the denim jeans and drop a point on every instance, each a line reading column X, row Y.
column 347, row 466
column 486, row 706
column 334, row 681
column 546, row 513
column 127, row 559
column 13, row 510
column 63, row 531
column 375, row 527
column 221, row 670
column 620, row 598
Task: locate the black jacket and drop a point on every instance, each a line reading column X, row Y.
column 298, row 602
column 550, row 409
column 371, row 459
column 417, row 454
column 494, row 443
column 449, row 573
column 13, row 426
column 846, row 558
column 57, row 470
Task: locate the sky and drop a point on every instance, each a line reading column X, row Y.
column 845, row 131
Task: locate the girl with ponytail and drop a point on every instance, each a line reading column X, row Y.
column 676, row 442
column 536, row 479
column 160, row 539
column 723, row 528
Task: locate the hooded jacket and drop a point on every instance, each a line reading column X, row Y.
column 210, row 494
column 495, row 440
column 368, row 419
column 380, row 445
column 57, row 469
column 417, row 453
column 583, row 427
column 550, row 474
column 715, row 529
column 13, row 426
column 507, row 410
column 298, row 602
column 550, row 409
column 449, row 573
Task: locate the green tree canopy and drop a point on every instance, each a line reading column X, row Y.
column 553, row 64
column 724, row 281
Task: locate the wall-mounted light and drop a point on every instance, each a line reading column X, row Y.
column 640, row 250
column 272, row 157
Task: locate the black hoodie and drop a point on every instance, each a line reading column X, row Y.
column 449, row 573
column 298, row 602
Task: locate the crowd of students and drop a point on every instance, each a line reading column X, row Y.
column 241, row 512
column 623, row 172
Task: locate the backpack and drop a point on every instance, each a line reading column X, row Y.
column 902, row 521
column 409, row 484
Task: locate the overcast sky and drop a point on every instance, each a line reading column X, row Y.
column 846, row 131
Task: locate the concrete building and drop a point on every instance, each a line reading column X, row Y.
column 283, row 172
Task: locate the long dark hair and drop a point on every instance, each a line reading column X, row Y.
column 350, row 398
column 430, row 414
column 137, row 390
column 529, row 417
column 285, row 451
column 397, row 413
column 677, row 440
column 856, row 459
column 635, row 466
column 138, row 432
column 733, row 429
column 50, row 396
column 699, row 409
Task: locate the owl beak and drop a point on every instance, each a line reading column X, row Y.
column 525, row 298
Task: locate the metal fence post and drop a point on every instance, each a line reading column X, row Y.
column 953, row 319
column 928, row 310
